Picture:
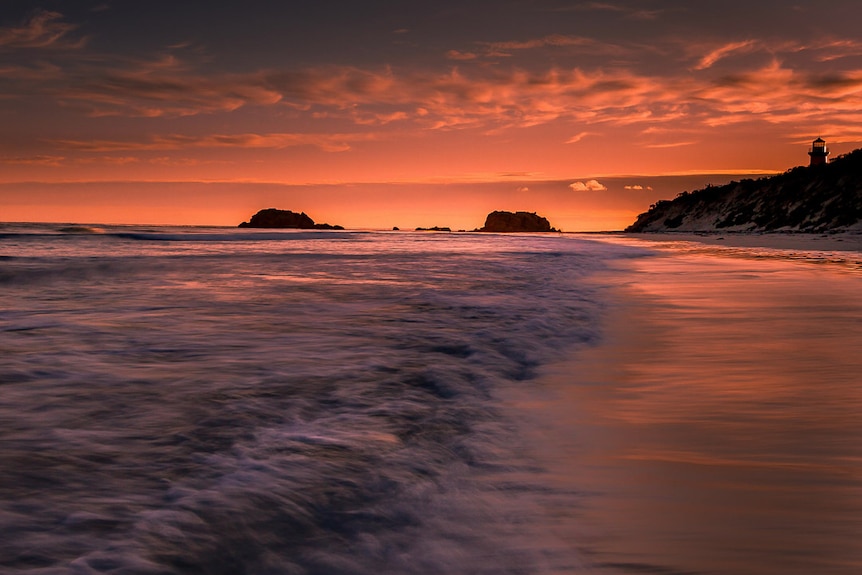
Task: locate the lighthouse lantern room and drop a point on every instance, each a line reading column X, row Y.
column 819, row 152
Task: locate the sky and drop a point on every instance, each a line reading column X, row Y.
column 381, row 113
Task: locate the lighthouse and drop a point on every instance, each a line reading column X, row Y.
column 819, row 152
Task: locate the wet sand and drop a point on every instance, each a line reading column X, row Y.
column 846, row 241
column 716, row 429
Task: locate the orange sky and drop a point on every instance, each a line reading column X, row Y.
column 379, row 115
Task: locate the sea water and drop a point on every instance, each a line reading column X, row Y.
column 218, row 401
column 226, row 401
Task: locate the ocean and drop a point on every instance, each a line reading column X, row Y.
column 187, row 400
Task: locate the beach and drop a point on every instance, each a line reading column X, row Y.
column 716, row 429
column 214, row 400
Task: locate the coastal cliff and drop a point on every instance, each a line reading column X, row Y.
column 804, row 199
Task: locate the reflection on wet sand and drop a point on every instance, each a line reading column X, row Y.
column 719, row 428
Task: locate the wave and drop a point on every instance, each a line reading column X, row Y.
column 332, row 411
column 71, row 232
column 238, row 236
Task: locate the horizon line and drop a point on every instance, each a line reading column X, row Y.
column 433, row 181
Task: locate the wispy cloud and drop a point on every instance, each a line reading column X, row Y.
column 723, row 52
column 626, row 11
column 831, row 50
column 558, row 40
column 663, row 145
column 326, row 142
column 458, row 55
column 45, row 29
column 163, row 87
column 580, row 44
column 578, row 137
column 36, row 160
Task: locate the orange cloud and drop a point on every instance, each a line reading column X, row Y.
column 578, row 137
column 669, row 145
column 723, row 52
column 588, row 186
column 456, row 99
column 781, row 95
column 38, row 160
column 695, row 95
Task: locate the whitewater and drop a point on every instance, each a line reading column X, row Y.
column 220, row 401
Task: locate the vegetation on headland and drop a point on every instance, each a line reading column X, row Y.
column 803, row 199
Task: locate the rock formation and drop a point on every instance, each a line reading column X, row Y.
column 810, row 199
column 515, row 222
column 274, row 218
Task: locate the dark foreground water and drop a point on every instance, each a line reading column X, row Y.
column 184, row 401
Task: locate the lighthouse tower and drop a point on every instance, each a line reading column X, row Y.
column 819, row 152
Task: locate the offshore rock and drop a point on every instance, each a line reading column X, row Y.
column 274, row 218
column 810, row 199
column 500, row 221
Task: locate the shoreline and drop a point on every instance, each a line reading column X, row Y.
column 840, row 241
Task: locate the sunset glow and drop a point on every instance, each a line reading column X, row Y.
column 378, row 114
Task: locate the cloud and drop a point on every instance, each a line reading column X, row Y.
column 663, row 145
column 583, row 43
column 457, row 55
column 325, row 142
column 793, row 89
column 523, row 189
column 588, row 186
column 457, row 100
column 37, row 160
column 44, row 30
column 163, row 87
column 578, row 137
column 638, row 187
column 608, row 7
column 492, row 99
column 724, row 51
column 832, row 50
column 551, row 40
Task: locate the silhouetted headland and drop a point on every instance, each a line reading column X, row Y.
column 274, row 218
column 500, row 221
column 822, row 197
column 434, row 229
